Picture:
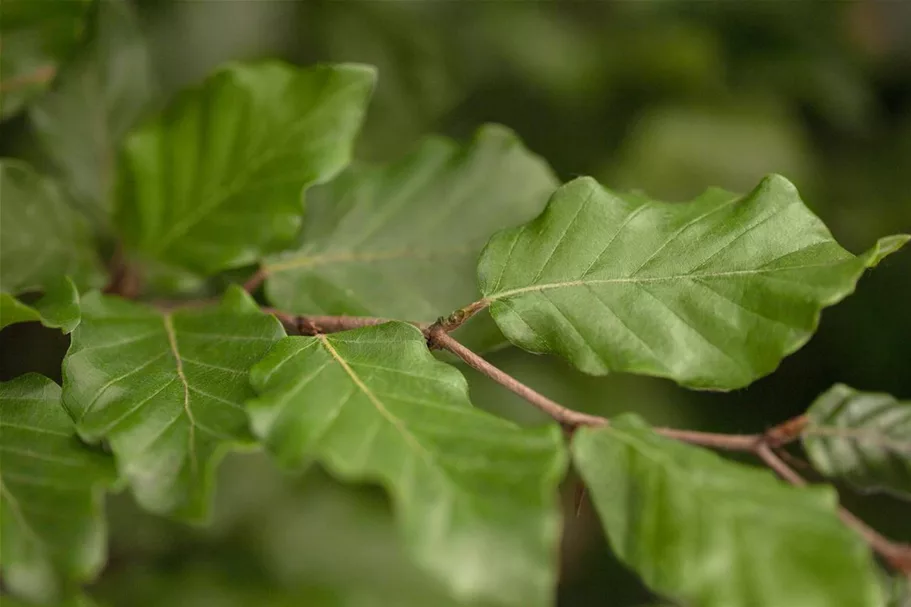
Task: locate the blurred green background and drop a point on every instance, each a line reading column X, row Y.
column 664, row 97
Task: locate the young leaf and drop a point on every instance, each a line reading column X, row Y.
column 862, row 437
column 96, row 99
column 215, row 182
column 51, row 488
column 715, row 533
column 475, row 495
column 166, row 389
column 416, row 226
column 57, row 308
column 712, row 293
column 34, row 37
column 41, row 238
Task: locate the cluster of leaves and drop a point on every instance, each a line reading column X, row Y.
column 711, row 294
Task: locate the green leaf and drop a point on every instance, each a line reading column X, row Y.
column 215, row 181
column 34, row 37
column 401, row 241
column 715, row 533
column 862, row 437
column 97, row 98
column 57, row 308
column 898, row 591
column 166, row 389
column 51, row 488
column 712, row 293
column 475, row 495
column 41, row 238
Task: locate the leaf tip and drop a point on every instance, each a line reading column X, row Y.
column 884, row 247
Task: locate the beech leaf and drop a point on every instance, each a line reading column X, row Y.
column 216, row 181
column 34, row 38
column 716, row 533
column 51, row 488
column 378, row 240
column 41, row 241
column 862, row 437
column 712, row 293
column 57, row 308
column 166, row 390
column 41, row 238
column 475, row 495
column 96, row 99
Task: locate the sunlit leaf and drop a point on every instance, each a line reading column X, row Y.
column 475, row 495
column 216, row 181
column 51, row 489
column 58, row 307
column 34, row 38
column 402, row 241
column 166, row 390
column 712, row 293
column 96, row 99
column 862, row 437
column 715, row 533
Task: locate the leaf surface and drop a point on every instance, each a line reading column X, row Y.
column 96, row 99
column 715, row 533
column 401, row 241
column 166, row 390
column 475, row 495
column 34, row 37
column 216, row 181
column 57, row 308
column 41, row 238
column 712, row 293
column 51, row 488
column 862, row 437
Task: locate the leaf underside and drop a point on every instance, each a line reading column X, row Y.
column 475, row 495
column 402, row 241
column 712, row 293
column 216, row 181
column 50, row 491
column 715, row 533
column 166, row 390
column 861, row 437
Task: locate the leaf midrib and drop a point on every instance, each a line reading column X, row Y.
column 175, row 352
column 649, row 279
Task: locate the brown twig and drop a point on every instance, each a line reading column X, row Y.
column 40, row 75
column 437, row 336
column 896, row 554
column 255, row 280
column 787, row 431
column 318, row 324
column 457, row 318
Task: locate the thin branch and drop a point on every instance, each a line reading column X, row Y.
column 255, row 280
column 438, row 337
column 896, row 554
column 457, row 318
column 40, row 75
column 728, row 442
column 787, row 431
column 318, row 324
